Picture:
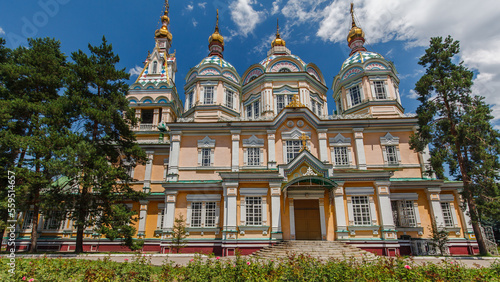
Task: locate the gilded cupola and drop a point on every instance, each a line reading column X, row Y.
column 216, row 41
column 278, row 41
column 165, row 20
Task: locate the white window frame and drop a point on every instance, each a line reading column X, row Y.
column 253, row 156
column 28, row 220
column 253, row 143
column 388, row 141
column 408, row 197
column 404, row 213
column 253, row 210
column 50, row 221
column 229, row 99
column 161, row 216
column 253, row 192
column 447, row 214
column 253, row 110
column 377, row 85
column 189, row 100
column 341, row 156
column 365, row 192
column 209, row 100
column 361, row 211
column 202, row 200
column 206, row 146
column 391, row 154
column 292, row 149
column 350, row 99
column 340, row 141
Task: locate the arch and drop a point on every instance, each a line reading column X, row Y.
column 147, row 99
column 252, row 73
column 209, row 71
column 134, row 101
column 230, row 76
column 284, row 63
column 310, row 182
column 161, row 99
column 351, row 72
column 191, row 76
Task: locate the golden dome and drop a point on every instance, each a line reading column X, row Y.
column 165, row 20
column 278, row 41
column 355, row 31
column 216, row 35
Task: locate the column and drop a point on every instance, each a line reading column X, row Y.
column 173, row 168
column 435, row 204
column 322, row 218
column 341, row 231
column 169, row 218
column 271, row 149
column 138, row 117
column 230, row 208
column 149, row 169
column 235, row 150
column 465, row 218
column 143, row 213
column 385, row 210
column 360, row 148
column 291, row 211
column 323, row 149
column 276, row 211
column 156, row 115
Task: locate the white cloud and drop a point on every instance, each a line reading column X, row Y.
column 195, row 23
column 2, row 31
column 244, row 16
column 473, row 23
column 265, row 44
column 189, row 7
column 413, row 94
column 276, row 7
column 202, row 5
column 135, row 71
column 302, row 11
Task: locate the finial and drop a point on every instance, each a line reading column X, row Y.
column 166, row 7
column 217, row 21
column 352, row 15
column 277, row 28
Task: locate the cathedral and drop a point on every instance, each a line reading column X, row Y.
column 253, row 158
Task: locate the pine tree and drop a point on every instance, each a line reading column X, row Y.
column 106, row 144
column 35, row 127
column 457, row 126
column 179, row 234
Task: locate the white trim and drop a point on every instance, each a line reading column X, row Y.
column 446, row 198
column 359, row 191
column 404, row 196
column 253, row 191
column 203, row 197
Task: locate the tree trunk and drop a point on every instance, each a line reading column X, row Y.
column 475, row 225
column 81, row 220
column 34, row 226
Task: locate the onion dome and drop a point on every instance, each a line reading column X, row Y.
column 356, row 36
column 163, row 31
column 216, row 37
column 278, row 41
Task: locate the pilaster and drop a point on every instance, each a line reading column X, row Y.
column 149, row 170
column 235, row 150
column 271, row 149
column 435, row 204
column 340, row 219
column 275, row 192
column 360, row 148
column 230, row 208
column 143, row 213
column 323, row 149
column 385, row 210
column 169, row 219
column 173, row 168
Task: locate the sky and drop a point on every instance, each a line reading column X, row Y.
column 314, row 30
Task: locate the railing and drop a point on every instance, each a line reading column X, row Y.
column 425, row 247
column 147, row 127
column 489, row 240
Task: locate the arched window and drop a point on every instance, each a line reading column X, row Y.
column 155, row 67
column 284, row 70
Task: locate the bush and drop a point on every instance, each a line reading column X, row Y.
column 294, row 268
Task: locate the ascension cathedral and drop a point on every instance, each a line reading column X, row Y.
column 253, row 158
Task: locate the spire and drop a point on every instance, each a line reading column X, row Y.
column 278, row 41
column 216, row 40
column 165, row 20
column 356, row 37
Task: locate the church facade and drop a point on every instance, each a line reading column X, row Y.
column 251, row 160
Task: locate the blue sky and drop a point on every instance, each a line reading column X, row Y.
column 314, row 30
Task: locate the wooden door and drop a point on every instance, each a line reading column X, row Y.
column 307, row 220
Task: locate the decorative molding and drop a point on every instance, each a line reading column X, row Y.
column 206, row 143
column 253, row 141
column 388, row 139
column 340, row 141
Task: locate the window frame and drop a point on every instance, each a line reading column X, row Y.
column 229, row 98
column 361, row 210
column 290, row 146
column 253, row 210
column 379, row 90
column 353, row 95
column 208, row 96
column 447, row 212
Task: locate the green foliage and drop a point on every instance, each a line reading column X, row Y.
column 179, row 234
column 105, row 148
column 439, row 239
column 456, row 125
column 294, row 268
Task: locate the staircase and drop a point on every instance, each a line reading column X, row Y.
column 316, row 249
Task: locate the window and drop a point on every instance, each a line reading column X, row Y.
column 253, row 156
column 155, row 67
column 379, row 88
column 282, row 101
column 229, row 98
column 253, row 110
column 208, row 98
column 361, row 210
column 253, row 210
column 292, row 149
column 161, row 217
column 147, row 116
column 447, row 214
column 28, row 220
column 355, row 95
column 404, row 213
column 189, row 100
column 52, row 221
column 316, row 107
column 284, row 70
column 196, row 214
column 206, row 156
column 210, row 214
column 341, row 157
column 392, row 156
